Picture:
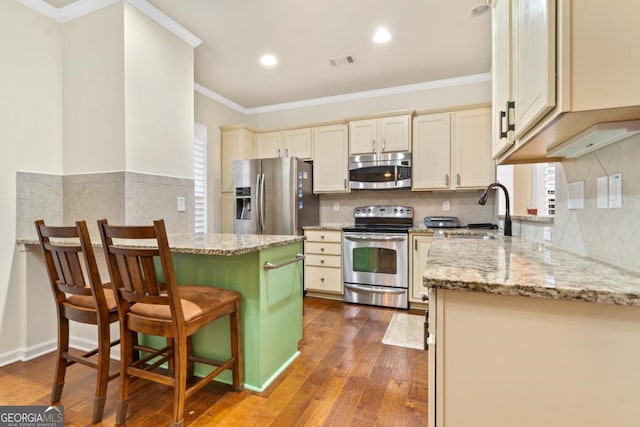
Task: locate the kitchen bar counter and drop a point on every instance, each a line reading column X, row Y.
column 512, row 266
column 266, row 270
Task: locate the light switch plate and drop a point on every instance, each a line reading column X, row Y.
column 182, row 204
column 603, row 192
column 615, row 190
column 575, row 192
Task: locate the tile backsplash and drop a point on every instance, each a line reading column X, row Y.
column 337, row 209
column 121, row 197
column 609, row 235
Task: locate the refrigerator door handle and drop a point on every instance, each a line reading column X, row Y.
column 262, row 226
column 257, row 207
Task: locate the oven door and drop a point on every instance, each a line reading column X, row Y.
column 376, row 259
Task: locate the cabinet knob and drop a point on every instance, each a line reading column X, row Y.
column 322, row 236
column 321, row 261
column 321, row 249
column 322, row 279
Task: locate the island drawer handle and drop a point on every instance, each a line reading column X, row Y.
column 270, row 266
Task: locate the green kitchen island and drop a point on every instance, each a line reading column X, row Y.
column 267, row 271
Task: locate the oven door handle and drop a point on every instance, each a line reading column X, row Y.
column 376, row 289
column 376, row 239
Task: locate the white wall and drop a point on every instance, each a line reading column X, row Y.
column 31, row 138
column 158, row 98
column 94, row 106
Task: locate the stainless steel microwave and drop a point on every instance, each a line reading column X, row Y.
column 385, row 171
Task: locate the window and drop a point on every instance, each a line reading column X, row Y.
column 200, row 176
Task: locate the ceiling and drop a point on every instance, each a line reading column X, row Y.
column 431, row 40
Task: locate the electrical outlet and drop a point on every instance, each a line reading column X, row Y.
column 615, row 190
column 182, row 204
column 445, row 205
column 547, row 234
column 336, row 206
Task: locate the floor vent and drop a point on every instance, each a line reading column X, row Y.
column 342, row 60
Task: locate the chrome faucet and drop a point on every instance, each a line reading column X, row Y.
column 507, row 217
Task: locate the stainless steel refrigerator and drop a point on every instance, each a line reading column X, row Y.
column 273, row 196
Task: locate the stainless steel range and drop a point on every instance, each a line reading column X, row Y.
column 376, row 256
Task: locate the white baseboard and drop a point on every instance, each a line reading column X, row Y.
column 25, row 354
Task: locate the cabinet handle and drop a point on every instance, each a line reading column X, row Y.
column 345, row 183
column 286, row 152
column 457, row 179
column 511, row 116
column 446, row 179
column 383, row 141
column 278, row 152
column 373, row 145
column 415, row 245
column 503, row 116
column 322, row 279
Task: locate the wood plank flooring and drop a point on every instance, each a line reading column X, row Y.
column 344, row 376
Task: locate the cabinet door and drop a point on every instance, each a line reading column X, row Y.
column 330, row 159
column 226, row 213
column 297, row 143
column 501, row 67
column 362, row 136
column 394, row 134
column 431, row 152
column 269, row 145
column 534, row 61
column 419, row 250
column 237, row 144
column 471, row 146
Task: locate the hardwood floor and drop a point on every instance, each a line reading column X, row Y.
column 344, row 376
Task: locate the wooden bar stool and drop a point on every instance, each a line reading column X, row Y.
column 80, row 296
column 147, row 306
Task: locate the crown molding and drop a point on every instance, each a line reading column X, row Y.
column 161, row 18
column 84, row 7
column 219, row 98
column 396, row 90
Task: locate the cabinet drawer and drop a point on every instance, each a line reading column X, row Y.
column 323, row 248
column 323, row 236
column 323, row 260
column 323, row 279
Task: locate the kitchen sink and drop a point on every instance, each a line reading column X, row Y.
column 477, row 236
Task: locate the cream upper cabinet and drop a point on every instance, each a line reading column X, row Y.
column 472, row 163
column 533, row 41
column 571, row 68
column 330, row 159
column 298, row 143
column 420, row 245
column 268, row 145
column 294, row 143
column 375, row 136
column 431, row 155
column 502, row 135
column 237, row 144
column 452, row 150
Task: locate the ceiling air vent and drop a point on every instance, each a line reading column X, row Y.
column 342, row 60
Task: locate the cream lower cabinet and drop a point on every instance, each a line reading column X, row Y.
column 330, row 159
column 226, row 212
column 323, row 262
column 420, row 244
column 452, row 150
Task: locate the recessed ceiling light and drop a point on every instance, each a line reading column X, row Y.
column 382, row 36
column 268, row 60
column 480, row 10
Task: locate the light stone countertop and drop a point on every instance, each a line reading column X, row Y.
column 513, row 266
column 211, row 243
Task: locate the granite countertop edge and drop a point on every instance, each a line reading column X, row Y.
column 209, row 243
column 517, row 267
